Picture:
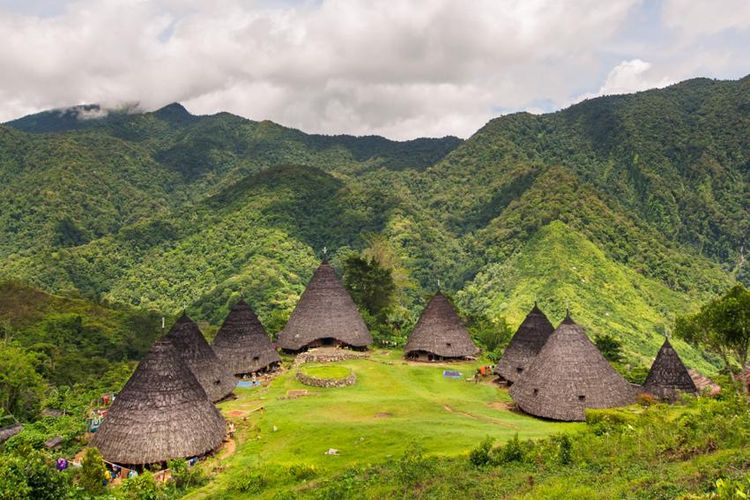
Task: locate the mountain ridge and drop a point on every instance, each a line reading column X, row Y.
column 168, row 210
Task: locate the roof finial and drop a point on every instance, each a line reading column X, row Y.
column 567, row 310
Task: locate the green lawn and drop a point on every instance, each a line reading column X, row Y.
column 326, row 370
column 392, row 405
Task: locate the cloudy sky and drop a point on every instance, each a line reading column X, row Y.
column 397, row 68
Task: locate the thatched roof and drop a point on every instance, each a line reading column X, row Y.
column 568, row 375
column 441, row 332
column 525, row 345
column 704, row 384
column 213, row 375
column 242, row 345
column 668, row 376
column 162, row 413
column 325, row 311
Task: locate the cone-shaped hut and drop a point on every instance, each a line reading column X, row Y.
column 524, row 346
column 162, row 413
column 325, row 315
column 439, row 334
column 242, row 344
column 668, row 376
column 569, row 375
column 213, row 376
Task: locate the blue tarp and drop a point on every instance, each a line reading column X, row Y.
column 451, row 374
column 248, row 383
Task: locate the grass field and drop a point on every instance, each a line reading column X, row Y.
column 334, row 371
column 393, row 405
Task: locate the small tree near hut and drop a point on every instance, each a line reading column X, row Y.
column 93, row 475
column 722, row 326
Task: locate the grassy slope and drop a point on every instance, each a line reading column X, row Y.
column 559, row 267
column 392, row 405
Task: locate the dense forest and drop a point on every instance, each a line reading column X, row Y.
column 644, row 198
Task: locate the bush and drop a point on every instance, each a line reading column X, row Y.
column 512, row 451
column 565, row 451
column 184, row 476
column 606, row 420
column 413, row 467
column 31, row 476
column 141, row 487
column 480, row 456
column 646, row 399
column 93, row 475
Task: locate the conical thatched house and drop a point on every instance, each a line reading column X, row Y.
column 439, row 334
column 569, row 375
column 668, row 376
column 162, row 413
column 524, row 346
column 216, row 380
column 325, row 315
column 242, row 345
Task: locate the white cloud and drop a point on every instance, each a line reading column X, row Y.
column 632, row 76
column 402, row 69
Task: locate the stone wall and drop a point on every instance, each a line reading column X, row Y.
column 326, row 382
column 327, row 355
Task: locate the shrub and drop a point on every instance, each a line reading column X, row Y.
column 31, row 476
column 606, row 420
column 93, row 475
column 184, row 476
column 512, row 451
column 646, row 399
column 565, row 450
column 413, row 466
column 140, row 487
column 480, row 456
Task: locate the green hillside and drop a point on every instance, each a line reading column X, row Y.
column 174, row 211
column 73, row 341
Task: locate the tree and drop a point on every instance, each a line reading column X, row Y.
column 722, row 326
column 370, row 285
column 610, row 347
column 93, row 474
column 490, row 335
column 31, row 475
column 21, row 387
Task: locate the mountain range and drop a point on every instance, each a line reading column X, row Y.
column 628, row 209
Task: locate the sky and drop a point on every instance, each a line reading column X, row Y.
column 401, row 69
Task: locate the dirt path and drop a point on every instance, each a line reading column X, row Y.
column 228, row 449
column 483, row 418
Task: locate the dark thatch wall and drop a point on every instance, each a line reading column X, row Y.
column 668, row 375
column 162, row 413
column 441, row 332
column 525, row 345
column 217, row 381
column 569, row 375
column 242, row 345
column 325, row 311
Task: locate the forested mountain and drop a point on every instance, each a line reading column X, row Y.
column 629, row 209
